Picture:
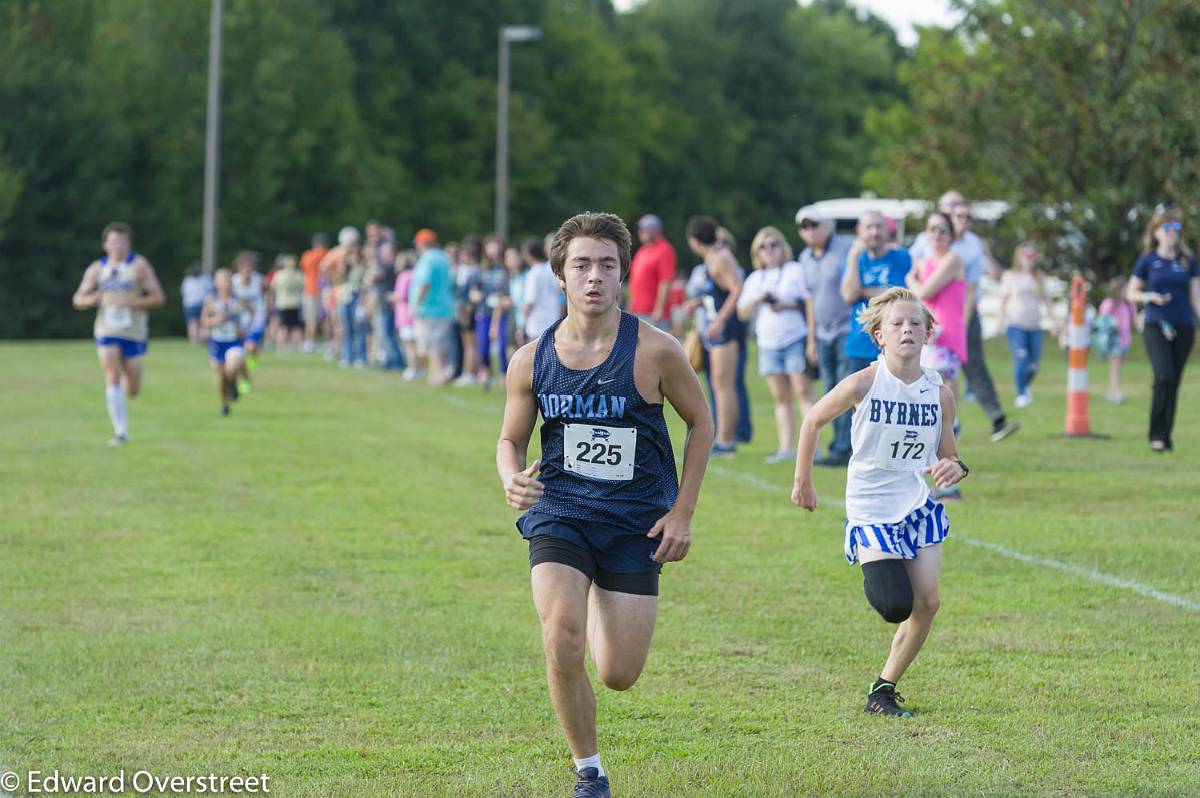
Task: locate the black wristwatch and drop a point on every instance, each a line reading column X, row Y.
column 963, row 466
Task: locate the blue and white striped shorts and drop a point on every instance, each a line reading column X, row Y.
column 927, row 525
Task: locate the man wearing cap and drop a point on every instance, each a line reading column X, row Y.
column 431, row 296
column 651, row 273
column 823, row 258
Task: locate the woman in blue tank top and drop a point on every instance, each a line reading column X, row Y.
column 725, row 330
column 606, row 509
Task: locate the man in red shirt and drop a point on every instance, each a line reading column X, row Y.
column 651, row 273
column 310, row 264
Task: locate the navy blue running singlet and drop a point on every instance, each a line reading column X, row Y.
column 606, row 453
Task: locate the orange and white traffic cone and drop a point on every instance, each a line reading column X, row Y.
column 1078, row 424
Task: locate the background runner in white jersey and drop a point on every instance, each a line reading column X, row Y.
column 122, row 287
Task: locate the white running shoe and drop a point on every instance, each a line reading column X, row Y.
column 781, row 456
column 1023, row 400
column 118, row 440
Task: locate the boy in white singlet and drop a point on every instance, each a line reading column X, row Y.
column 122, row 286
column 901, row 431
column 248, row 287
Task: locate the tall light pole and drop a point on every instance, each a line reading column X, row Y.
column 508, row 34
column 212, row 149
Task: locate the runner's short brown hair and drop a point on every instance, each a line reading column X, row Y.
column 604, row 226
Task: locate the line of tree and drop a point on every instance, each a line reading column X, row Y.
column 1082, row 114
column 336, row 111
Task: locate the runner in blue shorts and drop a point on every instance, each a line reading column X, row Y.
column 224, row 316
column 249, row 288
column 606, row 509
column 902, row 431
column 122, row 286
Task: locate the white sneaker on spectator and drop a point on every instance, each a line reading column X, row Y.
column 465, row 381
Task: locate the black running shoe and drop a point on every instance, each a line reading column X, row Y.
column 590, row 784
column 884, row 700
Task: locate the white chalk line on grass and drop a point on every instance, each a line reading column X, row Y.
column 1091, row 574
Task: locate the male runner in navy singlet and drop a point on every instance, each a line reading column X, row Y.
column 606, row 510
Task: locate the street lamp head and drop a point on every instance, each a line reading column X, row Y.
column 520, row 33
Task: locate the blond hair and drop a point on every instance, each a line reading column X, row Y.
column 762, row 235
column 1024, row 245
column 871, row 317
column 1150, row 241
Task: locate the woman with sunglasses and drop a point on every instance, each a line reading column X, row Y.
column 1167, row 280
column 775, row 295
column 941, row 283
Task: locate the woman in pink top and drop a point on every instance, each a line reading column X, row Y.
column 1114, row 332
column 404, row 317
column 940, row 282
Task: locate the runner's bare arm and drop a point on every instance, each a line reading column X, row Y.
column 210, row 316
column 946, row 471
column 152, row 291
column 844, row 396
column 521, row 490
column 87, row 295
column 680, row 386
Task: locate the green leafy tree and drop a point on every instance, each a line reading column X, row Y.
column 1081, row 114
column 761, row 105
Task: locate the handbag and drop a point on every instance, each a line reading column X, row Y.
column 693, row 347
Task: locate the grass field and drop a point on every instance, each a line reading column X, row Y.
column 327, row 587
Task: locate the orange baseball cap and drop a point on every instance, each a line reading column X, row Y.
column 425, row 237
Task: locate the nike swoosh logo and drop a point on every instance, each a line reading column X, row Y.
column 606, row 382
column 924, row 390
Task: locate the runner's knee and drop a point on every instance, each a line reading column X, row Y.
column 618, row 677
column 888, row 589
column 926, row 603
column 563, row 640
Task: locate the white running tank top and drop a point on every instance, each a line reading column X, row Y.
column 119, row 280
column 894, row 435
column 230, row 327
column 255, row 302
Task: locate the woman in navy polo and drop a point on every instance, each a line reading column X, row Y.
column 1167, row 280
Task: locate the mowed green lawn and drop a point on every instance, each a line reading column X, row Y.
column 327, row 587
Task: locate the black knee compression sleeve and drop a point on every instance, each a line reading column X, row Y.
column 888, row 589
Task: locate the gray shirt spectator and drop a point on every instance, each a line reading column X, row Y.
column 823, row 276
